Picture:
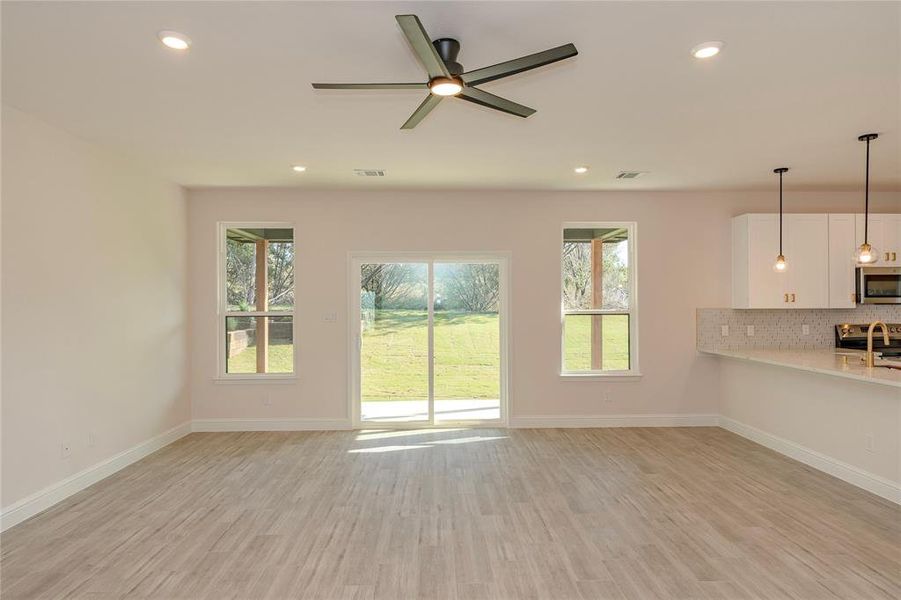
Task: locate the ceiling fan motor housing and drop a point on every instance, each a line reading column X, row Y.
column 448, row 49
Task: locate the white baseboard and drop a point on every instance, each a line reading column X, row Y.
column 876, row 484
column 44, row 499
column 579, row 421
column 208, row 425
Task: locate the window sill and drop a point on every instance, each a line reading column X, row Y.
column 620, row 376
column 250, row 379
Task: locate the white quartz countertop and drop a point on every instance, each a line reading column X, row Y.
column 828, row 361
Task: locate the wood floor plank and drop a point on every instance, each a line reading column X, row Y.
column 461, row 514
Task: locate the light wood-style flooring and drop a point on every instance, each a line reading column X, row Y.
column 465, row 514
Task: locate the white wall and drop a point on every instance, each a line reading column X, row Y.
column 684, row 263
column 94, row 305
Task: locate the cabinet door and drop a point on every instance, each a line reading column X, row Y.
column 841, row 261
column 806, row 239
column 884, row 235
column 891, row 239
column 766, row 288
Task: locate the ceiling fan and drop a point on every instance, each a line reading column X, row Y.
column 447, row 77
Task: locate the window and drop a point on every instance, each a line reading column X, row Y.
column 256, row 305
column 598, row 299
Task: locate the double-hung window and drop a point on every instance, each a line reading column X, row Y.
column 256, row 300
column 599, row 316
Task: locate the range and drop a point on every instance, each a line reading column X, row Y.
column 854, row 337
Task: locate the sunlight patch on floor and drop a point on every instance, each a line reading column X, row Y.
column 367, row 434
column 425, row 443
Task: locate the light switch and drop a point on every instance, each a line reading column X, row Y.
column 724, row 330
column 329, row 317
column 750, row 331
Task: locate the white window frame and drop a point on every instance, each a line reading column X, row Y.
column 222, row 311
column 633, row 372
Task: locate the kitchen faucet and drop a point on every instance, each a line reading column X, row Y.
column 871, row 362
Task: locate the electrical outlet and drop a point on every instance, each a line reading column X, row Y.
column 805, row 329
column 750, row 331
column 267, row 399
column 869, row 442
column 65, row 450
column 724, row 330
column 329, row 317
column 92, row 439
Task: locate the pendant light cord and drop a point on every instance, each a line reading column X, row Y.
column 866, row 197
column 780, row 213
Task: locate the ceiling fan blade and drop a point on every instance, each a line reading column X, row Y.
column 370, row 86
column 482, row 97
column 518, row 65
column 422, row 45
column 430, row 102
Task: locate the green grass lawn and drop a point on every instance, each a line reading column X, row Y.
column 467, row 365
column 281, row 360
column 395, row 356
column 615, row 346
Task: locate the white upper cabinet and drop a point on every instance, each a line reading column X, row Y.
column 755, row 245
column 842, row 293
column 806, row 243
column 885, row 237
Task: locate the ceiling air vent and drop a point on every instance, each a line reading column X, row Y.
column 370, row 172
column 630, row 174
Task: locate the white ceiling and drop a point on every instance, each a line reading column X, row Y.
column 794, row 86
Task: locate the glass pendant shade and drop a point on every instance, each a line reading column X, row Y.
column 866, row 255
column 780, row 266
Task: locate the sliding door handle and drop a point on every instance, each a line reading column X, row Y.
column 793, row 297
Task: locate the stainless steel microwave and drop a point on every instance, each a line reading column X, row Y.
column 879, row 285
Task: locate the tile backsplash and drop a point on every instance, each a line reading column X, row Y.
column 783, row 328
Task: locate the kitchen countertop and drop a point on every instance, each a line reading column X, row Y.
column 828, row 361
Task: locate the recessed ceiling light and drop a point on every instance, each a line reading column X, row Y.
column 299, row 168
column 581, row 170
column 707, row 49
column 175, row 40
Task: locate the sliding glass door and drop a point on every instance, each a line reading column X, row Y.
column 429, row 348
column 466, row 328
column 394, row 342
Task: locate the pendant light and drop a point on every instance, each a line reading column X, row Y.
column 865, row 254
column 780, row 266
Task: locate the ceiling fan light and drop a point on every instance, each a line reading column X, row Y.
column 445, row 86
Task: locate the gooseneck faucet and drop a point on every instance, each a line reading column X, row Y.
column 871, row 361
